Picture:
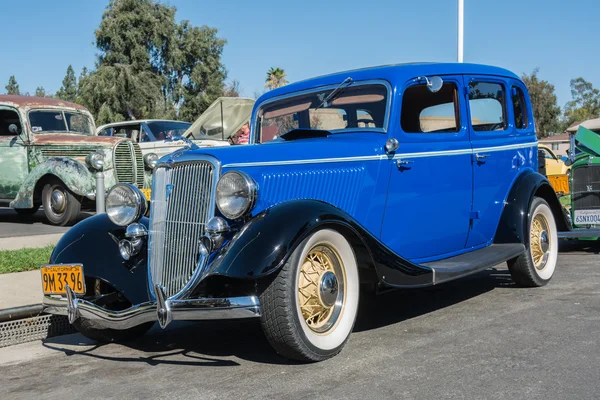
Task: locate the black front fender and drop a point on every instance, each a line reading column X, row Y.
column 92, row 243
column 515, row 216
column 264, row 244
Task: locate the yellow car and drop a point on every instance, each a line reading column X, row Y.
column 554, row 165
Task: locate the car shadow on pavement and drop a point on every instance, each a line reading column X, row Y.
column 586, row 246
column 9, row 215
column 400, row 305
column 214, row 343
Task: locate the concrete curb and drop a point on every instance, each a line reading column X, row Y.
column 20, row 242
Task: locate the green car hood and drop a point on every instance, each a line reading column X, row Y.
column 221, row 119
column 588, row 141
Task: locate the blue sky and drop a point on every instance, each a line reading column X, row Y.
column 40, row 38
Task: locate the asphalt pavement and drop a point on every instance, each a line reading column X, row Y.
column 481, row 337
column 13, row 225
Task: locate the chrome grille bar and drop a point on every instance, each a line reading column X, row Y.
column 182, row 203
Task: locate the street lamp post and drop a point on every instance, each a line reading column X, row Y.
column 461, row 25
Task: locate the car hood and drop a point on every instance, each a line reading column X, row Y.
column 226, row 115
column 323, row 149
column 588, row 141
column 73, row 139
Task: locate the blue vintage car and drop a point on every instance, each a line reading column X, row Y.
column 399, row 176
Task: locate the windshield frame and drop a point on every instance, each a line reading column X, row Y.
column 255, row 126
column 63, row 111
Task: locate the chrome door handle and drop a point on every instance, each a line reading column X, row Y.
column 481, row 157
column 403, row 163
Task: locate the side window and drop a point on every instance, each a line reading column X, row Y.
column 487, row 104
column 427, row 112
column 519, row 108
column 547, row 154
column 8, row 117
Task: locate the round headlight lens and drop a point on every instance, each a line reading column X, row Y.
column 151, row 159
column 236, row 192
column 125, row 204
column 96, row 160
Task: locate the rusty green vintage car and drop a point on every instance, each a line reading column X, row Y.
column 50, row 157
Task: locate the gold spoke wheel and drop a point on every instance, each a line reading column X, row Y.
column 321, row 288
column 539, row 241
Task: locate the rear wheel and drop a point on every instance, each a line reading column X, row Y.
column 60, row 204
column 105, row 296
column 309, row 309
column 535, row 267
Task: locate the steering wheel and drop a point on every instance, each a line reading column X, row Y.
column 363, row 120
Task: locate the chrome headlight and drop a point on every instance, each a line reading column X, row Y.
column 125, row 204
column 236, row 193
column 150, row 160
column 96, row 160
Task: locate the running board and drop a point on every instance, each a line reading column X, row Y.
column 472, row 262
column 579, row 233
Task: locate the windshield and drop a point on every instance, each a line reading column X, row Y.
column 357, row 106
column 166, row 129
column 44, row 121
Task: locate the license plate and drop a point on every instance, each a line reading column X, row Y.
column 55, row 278
column 147, row 193
column 585, row 217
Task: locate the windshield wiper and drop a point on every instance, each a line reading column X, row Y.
column 334, row 93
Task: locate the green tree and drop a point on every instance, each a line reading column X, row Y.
column 276, row 77
column 149, row 66
column 194, row 71
column 585, row 103
column 13, row 86
column 68, row 90
column 40, row 91
column 543, row 101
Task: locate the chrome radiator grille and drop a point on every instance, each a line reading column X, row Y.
column 182, row 203
column 129, row 163
column 586, row 187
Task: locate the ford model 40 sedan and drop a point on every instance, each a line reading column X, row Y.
column 401, row 176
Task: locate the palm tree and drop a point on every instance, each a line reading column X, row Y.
column 275, row 78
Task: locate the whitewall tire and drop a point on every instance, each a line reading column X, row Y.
column 309, row 309
column 536, row 266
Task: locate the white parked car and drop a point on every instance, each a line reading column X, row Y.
column 221, row 120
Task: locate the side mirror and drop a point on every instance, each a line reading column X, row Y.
column 568, row 162
column 435, row 84
column 12, row 128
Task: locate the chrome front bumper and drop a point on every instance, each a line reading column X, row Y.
column 163, row 310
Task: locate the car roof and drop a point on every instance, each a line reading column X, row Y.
column 136, row 121
column 35, row 102
column 392, row 73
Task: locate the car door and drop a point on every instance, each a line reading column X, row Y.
column 430, row 189
column 503, row 139
column 13, row 154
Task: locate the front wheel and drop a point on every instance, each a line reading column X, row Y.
column 309, row 309
column 535, row 267
column 60, row 205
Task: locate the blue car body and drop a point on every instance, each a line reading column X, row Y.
column 437, row 184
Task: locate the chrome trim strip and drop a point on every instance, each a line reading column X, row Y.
column 384, row 157
column 578, row 233
column 386, row 119
column 181, row 310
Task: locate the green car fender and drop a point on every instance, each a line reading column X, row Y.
column 75, row 175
